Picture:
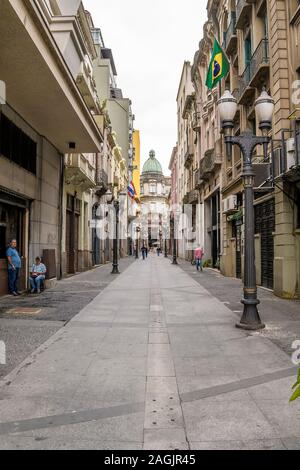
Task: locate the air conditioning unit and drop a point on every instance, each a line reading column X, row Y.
column 290, row 160
column 230, row 204
column 290, row 145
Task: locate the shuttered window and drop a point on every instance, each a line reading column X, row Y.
column 17, row 146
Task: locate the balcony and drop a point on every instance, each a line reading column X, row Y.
column 243, row 10
column 256, row 72
column 189, row 156
column 192, row 196
column 87, row 86
column 188, row 105
column 101, row 183
column 196, row 123
column 230, row 37
column 79, row 171
column 209, row 163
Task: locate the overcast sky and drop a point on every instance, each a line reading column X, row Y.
column 150, row 40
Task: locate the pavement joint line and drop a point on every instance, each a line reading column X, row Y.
column 114, row 324
column 242, row 384
column 76, row 417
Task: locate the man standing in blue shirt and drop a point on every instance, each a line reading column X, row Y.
column 14, row 267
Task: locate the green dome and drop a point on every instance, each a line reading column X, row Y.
column 152, row 165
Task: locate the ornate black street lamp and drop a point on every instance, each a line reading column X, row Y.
column 247, row 142
column 137, row 242
column 166, row 249
column 115, row 269
column 174, row 260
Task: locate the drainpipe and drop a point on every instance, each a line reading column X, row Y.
column 61, row 208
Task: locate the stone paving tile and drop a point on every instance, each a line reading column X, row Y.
column 291, row 443
column 234, row 415
column 263, row 444
column 158, row 338
column 165, row 439
column 160, row 366
column 161, row 386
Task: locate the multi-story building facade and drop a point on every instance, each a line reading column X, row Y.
column 155, row 189
column 137, row 163
column 186, row 154
column 259, row 38
column 79, row 252
column 120, row 119
column 173, row 167
column 207, row 177
column 39, row 126
column 60, row 149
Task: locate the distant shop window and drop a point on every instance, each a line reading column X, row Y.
column 16, row 145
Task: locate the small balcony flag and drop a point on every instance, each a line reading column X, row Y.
column 218, row 67
column 131, row 190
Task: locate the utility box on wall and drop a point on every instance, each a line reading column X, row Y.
column 49, row 259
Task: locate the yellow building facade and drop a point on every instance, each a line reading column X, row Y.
column 137, row 162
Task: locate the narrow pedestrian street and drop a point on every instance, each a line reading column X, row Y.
column 154, row 361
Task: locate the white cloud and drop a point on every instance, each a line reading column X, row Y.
column 150, row 41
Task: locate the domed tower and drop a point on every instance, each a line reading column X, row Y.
column 155, row 189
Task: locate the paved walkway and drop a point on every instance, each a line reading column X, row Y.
column 24, row 331
column 153, row 362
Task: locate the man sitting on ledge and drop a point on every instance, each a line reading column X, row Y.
column 37, row 275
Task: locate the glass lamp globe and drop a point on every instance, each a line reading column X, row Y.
column 264, row 107
column 227, row 106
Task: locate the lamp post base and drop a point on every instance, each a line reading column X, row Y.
column 249, row 327
column 174, row 261
column 115, row 270
column 250, row 319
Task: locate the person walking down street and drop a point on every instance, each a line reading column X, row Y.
column 37, row 275
column 198, row 258
column 158, row 251
column 14, row 267
column 144, row 252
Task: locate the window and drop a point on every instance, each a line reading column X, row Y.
column 152, row 188
column 16, row 145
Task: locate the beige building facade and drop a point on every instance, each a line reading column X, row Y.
column 261, row 41
column 34, row 142
column 60, row 149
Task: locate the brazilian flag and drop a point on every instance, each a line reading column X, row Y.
column 218, row 67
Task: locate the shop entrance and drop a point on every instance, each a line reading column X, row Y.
column 12, row 226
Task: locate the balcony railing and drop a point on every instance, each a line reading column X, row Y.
column 208, row 163
column 79, row 171
column 230, row 37
column 193, row 196
column 259, row 62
